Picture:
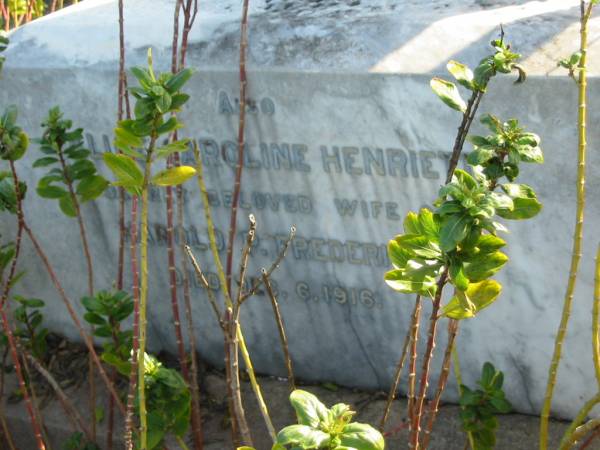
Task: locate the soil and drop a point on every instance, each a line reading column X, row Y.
column 516, row 431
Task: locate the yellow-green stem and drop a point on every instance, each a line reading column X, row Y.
column 458, row 376
column 568, row 438
column 143, row 302
column 210, row 225
column 595, row 317
column 255, row 386
column 181, row 443
column 221, row 273
column 577, row 239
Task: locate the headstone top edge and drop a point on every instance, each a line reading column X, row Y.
column 378, row 36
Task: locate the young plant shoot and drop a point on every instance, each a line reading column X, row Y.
column 156, row 96
column 456, row 242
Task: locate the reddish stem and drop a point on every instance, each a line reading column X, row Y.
column 241, row 143
column 6, row 324
column 424, row 383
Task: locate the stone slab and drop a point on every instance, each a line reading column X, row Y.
column 343, row 155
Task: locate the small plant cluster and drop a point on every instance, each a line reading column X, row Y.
column 14, row 13
column 106, row 311
column 456, row 242
column 29, row 328
column 168, row 401
column 71, row 165
column 481, row 406
column 325, row 428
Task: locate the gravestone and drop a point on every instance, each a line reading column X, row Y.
column 344, row 137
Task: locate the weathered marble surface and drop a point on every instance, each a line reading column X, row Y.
column 330, row 79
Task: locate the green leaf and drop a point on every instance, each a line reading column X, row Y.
column 94, row 319
column 163, row 103
column 501, row 404
column 411, row 223
column 103, row 331
column 484, row 265
column 34, row 302
column 487, row 374
column 525, row 202
column 67, row 206
column 125, row 169
column 418, row 245
column 480, row 155
column 450, row 207
column 43, row 162
column 143, row 76
column 430, row 227
column 492, row 122
column 463, row 177
column 303, row 435
column 502, row 201
column 170, row 125
column 488, row 243
column 398, row 256
column 458, row 277
column 362, row 437
column 481, row 295
column 126, row 138
column 483, row 72
column 173, row 176
column 93, row 304
column 51, row 192
column 177, row 81
column 91, row 187
column 448, row 93
column 454, row 229
column 178, row 100
column 416, row 279
column 78, row 154
column 173, row 147
column 143, row 107
column 123, row 367
column 531, row 154
column 81, row 169
column 462, row 73
column 309, row 410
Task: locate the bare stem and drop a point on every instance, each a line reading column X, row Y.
column 463, row 130
column 412, row 372
column 37, row 432
column 211, row 296
column 255, row 386
column 397, row 375
column 234, row 340
column 258, row 281
column 578, row 235
column 90, row 274
column 281, row 329
column 241, row 142
column 424, row 383
column 595, row 319
column 67, row 405
column 442, row 380
column 575, row 431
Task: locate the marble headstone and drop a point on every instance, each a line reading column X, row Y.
column 344, row 137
